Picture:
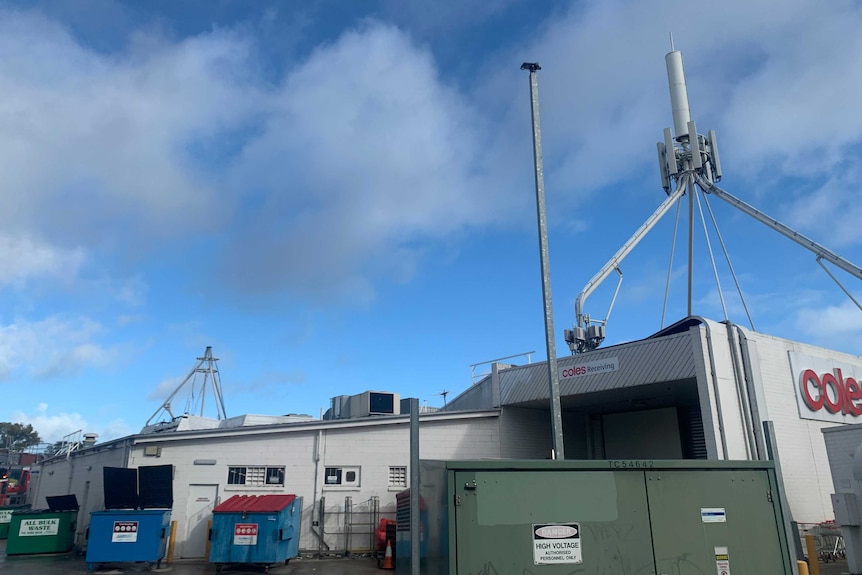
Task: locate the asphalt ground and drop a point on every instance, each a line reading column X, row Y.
column 72, row 563
column 62, row 564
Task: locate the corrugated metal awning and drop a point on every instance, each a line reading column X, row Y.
column 654, row 360
column 255, row 504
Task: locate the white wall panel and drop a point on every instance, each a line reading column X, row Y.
column 372, row 448
column 648, row 434
column 728, row 394
column 525, row 433
column 801, row 446
column 80, row 475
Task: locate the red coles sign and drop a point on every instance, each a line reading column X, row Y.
column 831, row 391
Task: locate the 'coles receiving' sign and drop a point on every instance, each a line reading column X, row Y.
column 596, row 367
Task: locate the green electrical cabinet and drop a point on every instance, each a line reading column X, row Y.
column 612, row 517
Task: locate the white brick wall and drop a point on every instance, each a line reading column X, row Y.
column 81, row 475
column 374, row 449
column 801, row 446
column 293, row 451
column 524, row 433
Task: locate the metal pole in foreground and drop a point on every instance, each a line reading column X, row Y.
column 414, row 486
column 553, row 376
column 691, row 191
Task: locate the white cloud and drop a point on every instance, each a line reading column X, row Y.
column 164, row 389
column 132, row 292
column 23, row 257
column 442, row 17
column 333, row 176
column 317, row 182
column 777, row 81
column 831, row 211
column 831, row 322
column 97, row 147
column 114, row 429
column 365, row 151
column 53, row 426
column 57, row 345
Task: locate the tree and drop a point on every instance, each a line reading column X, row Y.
column 17, row 436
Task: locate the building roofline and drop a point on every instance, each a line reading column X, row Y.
column 110, row 444
column 374, row 421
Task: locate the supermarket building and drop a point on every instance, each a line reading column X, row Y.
column 698, row 389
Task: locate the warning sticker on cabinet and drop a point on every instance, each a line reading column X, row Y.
column 557, row 543
column 713, row 515
column 245, row 534
column 125, row 532
column 722, row 561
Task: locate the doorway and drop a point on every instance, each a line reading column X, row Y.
column 199, row 508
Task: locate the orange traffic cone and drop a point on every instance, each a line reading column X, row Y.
column 388, row 560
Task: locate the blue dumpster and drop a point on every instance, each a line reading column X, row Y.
column 135, row 526
column 261, row 530
column 128, row 536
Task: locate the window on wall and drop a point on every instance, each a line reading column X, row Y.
column 341, row 476
column 257, row 476
column 398, row 476
column 275, row 475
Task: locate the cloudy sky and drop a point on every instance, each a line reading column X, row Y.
column 338, row 196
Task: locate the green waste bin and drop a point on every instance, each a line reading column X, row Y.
column 6, row 517
column 49, row 530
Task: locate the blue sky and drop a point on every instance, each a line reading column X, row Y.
column 338, row 196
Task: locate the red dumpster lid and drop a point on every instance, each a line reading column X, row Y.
column 254, row 504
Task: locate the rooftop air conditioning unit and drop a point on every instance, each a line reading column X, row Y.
column 375, row 403
column 339, row 408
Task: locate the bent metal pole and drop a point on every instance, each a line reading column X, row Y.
column 553, row 376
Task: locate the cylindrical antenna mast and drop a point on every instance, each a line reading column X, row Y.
column 678, row 94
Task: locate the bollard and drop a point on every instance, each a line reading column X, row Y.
column 803, row 567
column 813, row 562
column 171, row 541
column 210, row 533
